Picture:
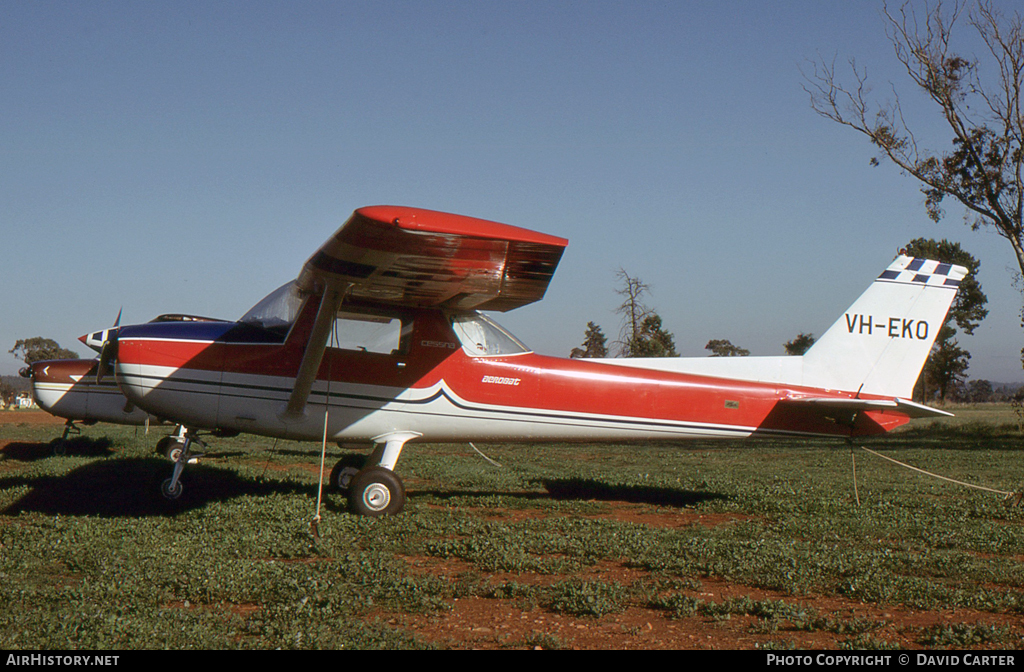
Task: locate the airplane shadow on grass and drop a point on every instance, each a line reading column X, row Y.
column 130, row 487
column 575, row 489
column 582, row 489
column 79, row 446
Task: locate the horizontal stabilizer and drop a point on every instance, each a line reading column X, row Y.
column 911, row 409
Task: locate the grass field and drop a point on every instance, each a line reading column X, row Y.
column 737, row 545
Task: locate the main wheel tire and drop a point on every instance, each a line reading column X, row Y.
column 345, row 470
column 376, row 491
column 167, row 447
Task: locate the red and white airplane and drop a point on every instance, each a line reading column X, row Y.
column 69, row 389
column 75, row 389
column 381, row 338
column 84, row 391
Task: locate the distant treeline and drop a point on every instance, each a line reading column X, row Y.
column 984, row 391
column 17, row 382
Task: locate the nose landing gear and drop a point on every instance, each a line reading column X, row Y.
column 179, row 451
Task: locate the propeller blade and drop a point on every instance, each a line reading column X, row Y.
column 107, row 356
column 108, row 352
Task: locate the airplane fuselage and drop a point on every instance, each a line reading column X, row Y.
column 233, row 376
column 70, row 388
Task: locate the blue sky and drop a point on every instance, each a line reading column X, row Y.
column 189, row 157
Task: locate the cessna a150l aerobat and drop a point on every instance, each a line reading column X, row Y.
column 381, row 338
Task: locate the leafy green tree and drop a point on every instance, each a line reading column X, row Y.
column 38, row 348
column 946, row 367
column 723, row 348
column 651, row 340
column 595, row 345
column 968, row 308
column 945, row 370
column 980, row 391
column 799, row 345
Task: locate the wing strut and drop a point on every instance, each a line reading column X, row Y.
column 330, row 302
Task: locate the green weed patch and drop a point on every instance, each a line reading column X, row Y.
column 92, row 557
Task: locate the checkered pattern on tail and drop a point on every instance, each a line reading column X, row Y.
column 923, row 272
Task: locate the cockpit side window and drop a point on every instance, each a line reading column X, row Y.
column 480, row 336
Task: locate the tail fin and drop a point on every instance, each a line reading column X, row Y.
column 880, row 344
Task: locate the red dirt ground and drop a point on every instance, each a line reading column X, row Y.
column 485, row 623
column 30, row 417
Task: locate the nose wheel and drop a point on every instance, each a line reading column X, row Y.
column 60, row 446
column 345, row 470
column 181, row 454
column 171, row 489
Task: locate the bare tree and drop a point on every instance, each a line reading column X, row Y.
column 980, row 100
column 633, row 309
column 642, row 334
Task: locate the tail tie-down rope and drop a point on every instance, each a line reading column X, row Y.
column 1011, row 498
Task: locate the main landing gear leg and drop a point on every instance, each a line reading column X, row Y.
column 171, row 488
column 376, row 490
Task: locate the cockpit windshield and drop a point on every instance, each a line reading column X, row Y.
column 277, row 311
column 481, row 336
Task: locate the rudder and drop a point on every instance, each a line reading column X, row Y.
column 881, row 343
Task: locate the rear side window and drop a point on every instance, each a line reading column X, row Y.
column 481, row 336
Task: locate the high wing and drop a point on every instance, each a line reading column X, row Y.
column 403, row 256
column 413, row 257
